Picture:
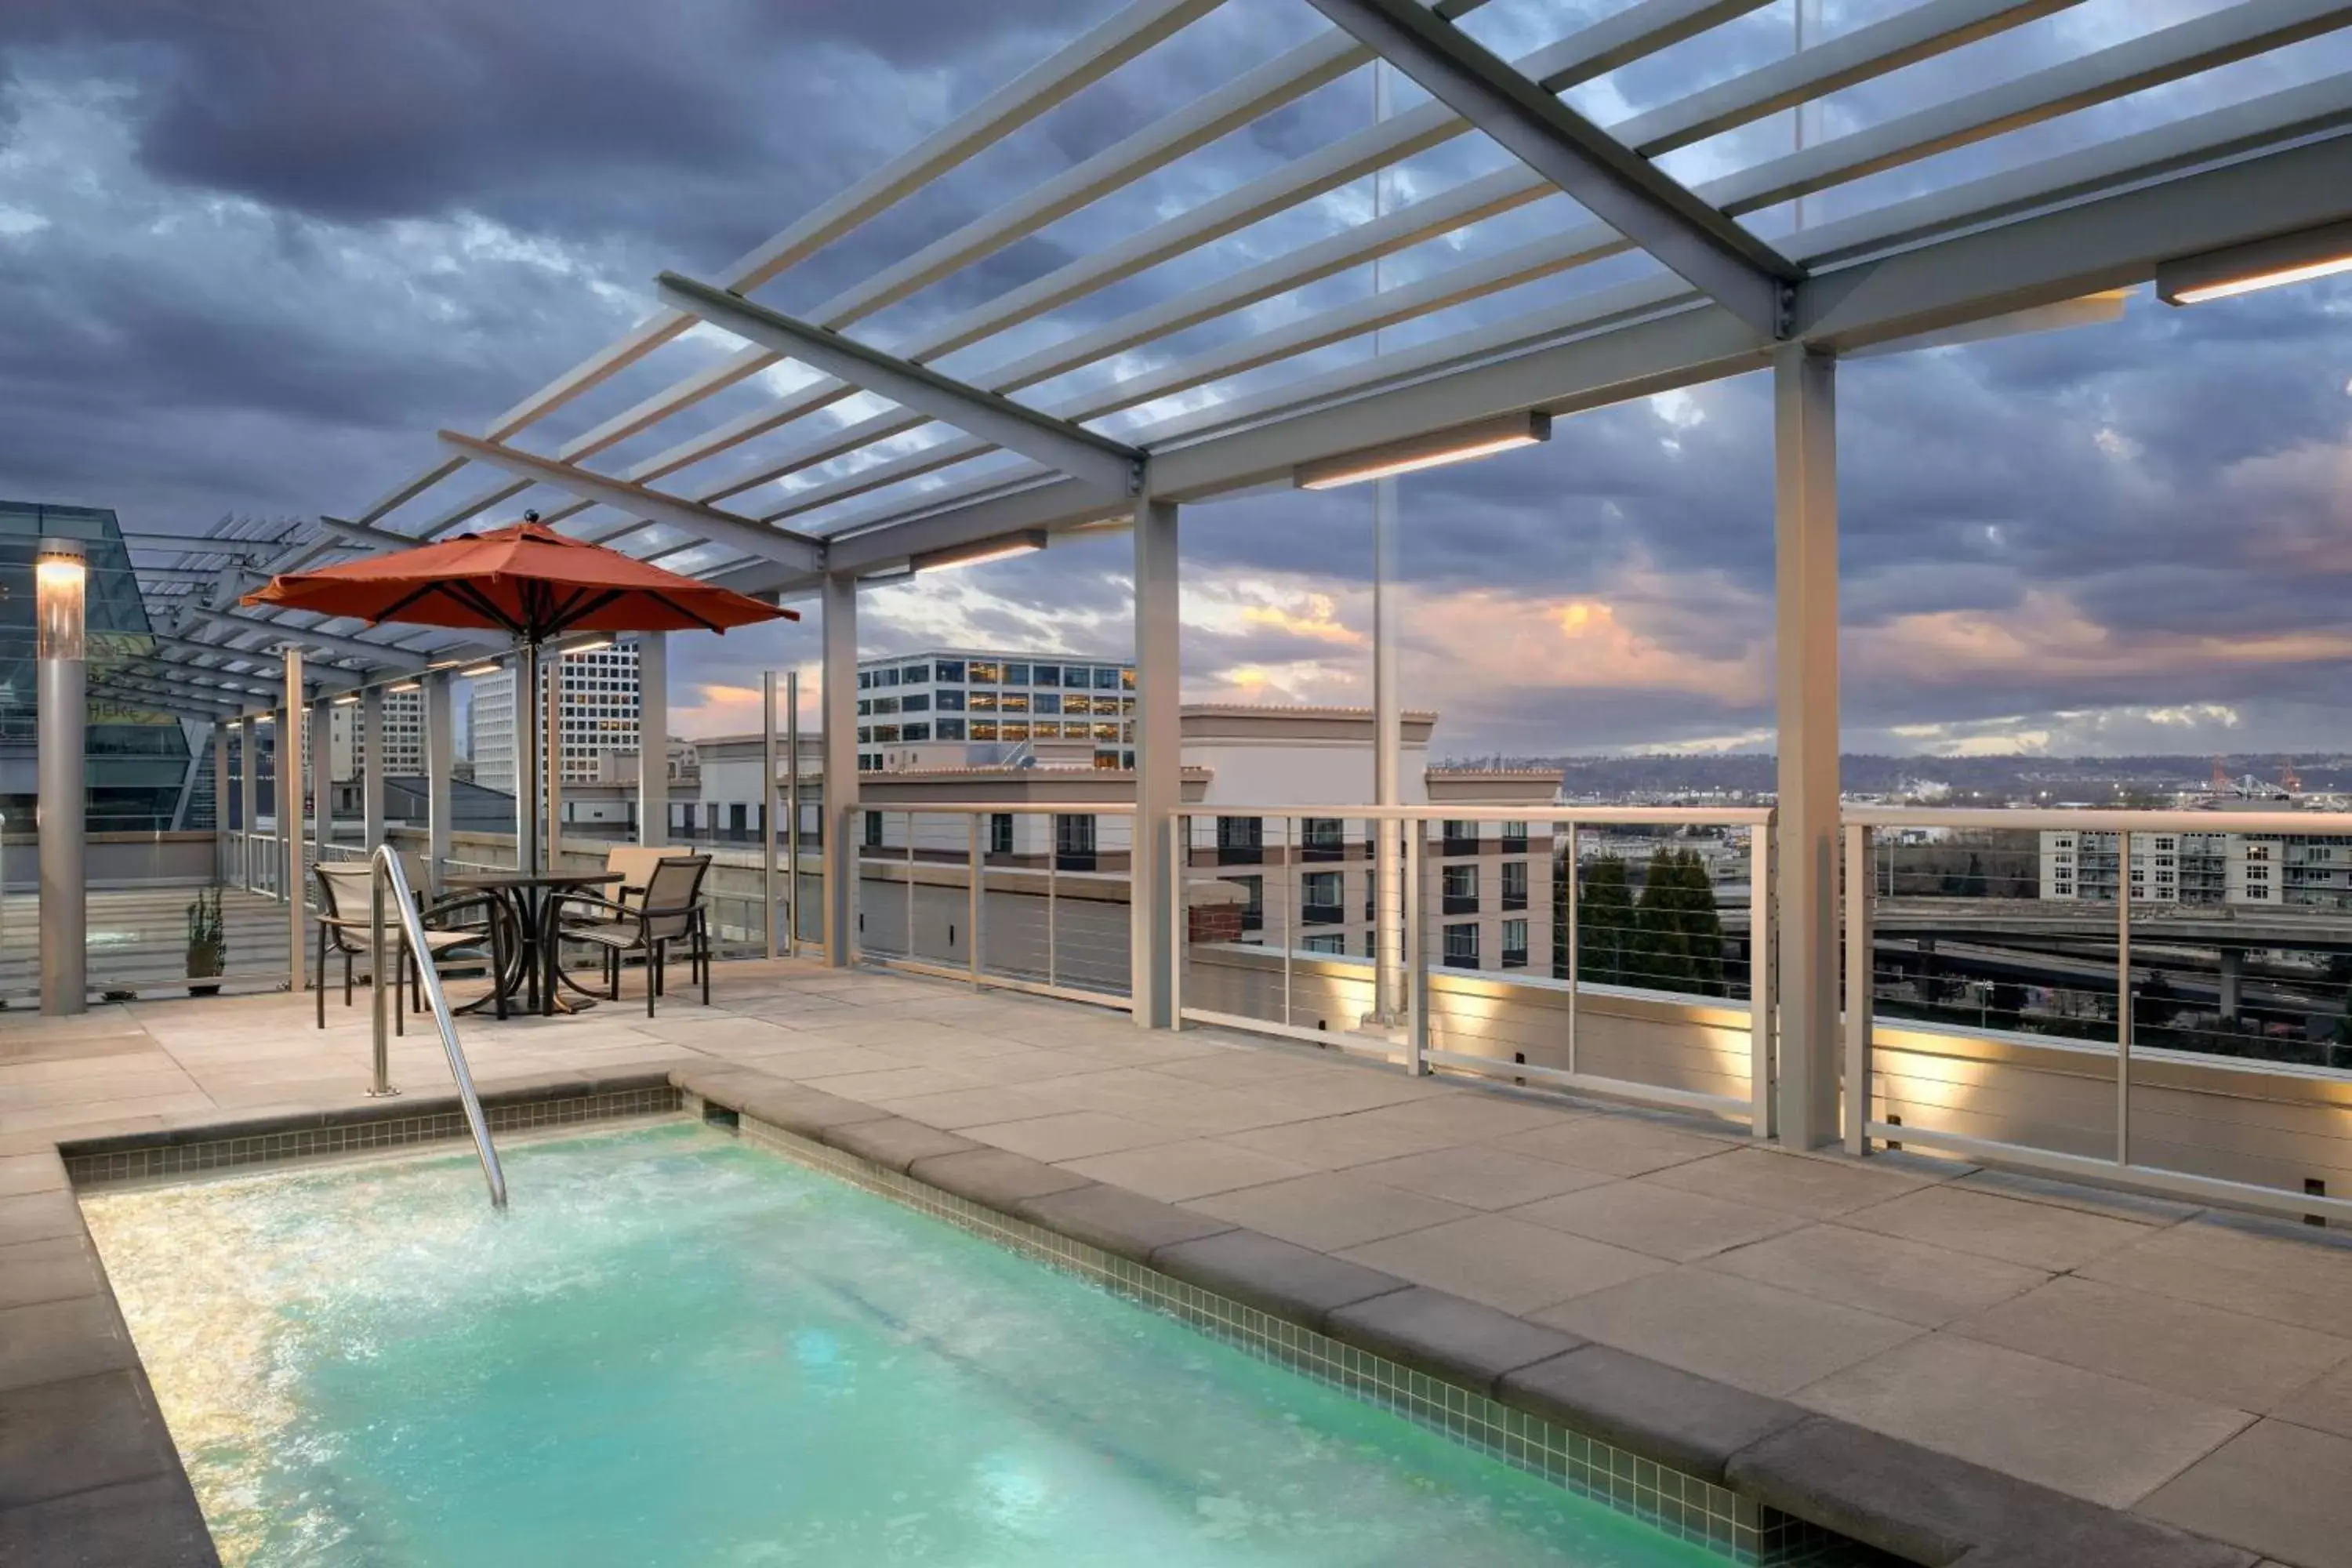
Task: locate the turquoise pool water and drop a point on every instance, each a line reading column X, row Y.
column 681, row 1349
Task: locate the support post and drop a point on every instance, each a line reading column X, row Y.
column 322, row 781
column 551, row 758
column 371, row 766
column 527, row 753
column 792, row 811
column 840, row 741
column 60, row 589
column 2232, row 976
column 1159, row 764
column 248, row 793
column 289, row 790
column 1860, row 996
column 653, row 739
column 440, row 759
column 1805, row 588
column 222, row 729
column 768, row 802
column 1388, row 761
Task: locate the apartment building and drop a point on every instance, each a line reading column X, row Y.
column 599, row 715
column 911, row 704
column 404, row 737
column 2264, row 869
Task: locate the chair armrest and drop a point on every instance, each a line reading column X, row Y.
column 555, row 906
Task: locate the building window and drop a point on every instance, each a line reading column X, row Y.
column 951, row 701
column 886, row 705
column 915, row 733
column 865, row 735
column 1514, row 838
column 873, row 828
column 1077, row 674
column 984, row 674
column 738, row 822
column 1334, row 943
column 886, row 734
column 1515, row 884
column 915, row 704
column 1462, row 945
column 1323, row 839
column 865, row 706
column 915, row 674
column 983, row 701
column 951, row 729
column 865, row 679
column 1000, row 833
column 1074, row 843
column 983, row 728
column 1241, row 840
column 1461, row 889
column 1011, row 731
column 1458, row 837
column 1321, row 898
column 1254, row 903
column 1048, row 702
column 949, row 669
column 1016, row 675
column 1107, row 680
column 1515, row 945
column 1014, row 702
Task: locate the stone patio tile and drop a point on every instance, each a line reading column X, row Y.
column 1209, row 1111
column 2277, row 1488
column 2082, row 1433
column 2285, row 1278
column 1173, row 1172
column 1342, row 1091
column 961, row 1107
column 2074, row 1195
column 67, row 1436
column 1480, row 1177
column 1471, row 1117
column 2325, row 1402
column 1328, row 1211
column 1295, row 1283
column 1248, row 1065
column 892, row 1083
column 2201, row 1352
column 1929, row 1285
column 79, row 1336
column 1117, row 1221
column 59, row 1120
column 1335, row 1142
column 1693, row 1423
column 998, row 1178
column 1814, row 1186
column 1505, row 1263
column 21, row 1174
column 825, row 1061
column 1616, row 1145
column 896, row 1143
column 2039, row 1235
column 1663, row 1223
column 1752, row 1336
column 1071, row 1135
column 1465, row 1342
column 1024, row 1065
column 38, row 1217
column 151, row 1524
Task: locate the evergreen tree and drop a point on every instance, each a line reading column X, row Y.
column 1702, row 926
column 1662, row 957
column 1604, row 923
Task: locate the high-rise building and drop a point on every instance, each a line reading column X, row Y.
column 978, row 697
column 599, row 715
column 404, row 737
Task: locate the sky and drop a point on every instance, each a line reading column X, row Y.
column 253, row 252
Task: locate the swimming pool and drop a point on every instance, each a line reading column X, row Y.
column 678, row 1348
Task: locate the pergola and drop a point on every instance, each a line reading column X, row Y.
column 999, row 427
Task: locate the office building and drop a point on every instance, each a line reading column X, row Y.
column 911, row 703
column 599, row 714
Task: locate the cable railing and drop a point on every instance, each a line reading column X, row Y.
column 1029, row 897
column 2155, row 999
column 1611, row 949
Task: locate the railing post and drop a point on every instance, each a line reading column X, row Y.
column 1292, row 898
column 972, row 894
column 1416, row 956
column 1054, row 918
column 768, row 802
column 1575, row 891
column 2123, row 998
column 378, row 972
column 1763, row 1079
column 1180, row 917
column 912, row 956
column 792, row 811
column 1859, row 992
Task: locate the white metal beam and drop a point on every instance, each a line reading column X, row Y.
column 1069, row 448
column 382, row 654
column 702, row 522
column 1616, row 184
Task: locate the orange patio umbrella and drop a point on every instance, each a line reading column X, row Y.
column 528, row 581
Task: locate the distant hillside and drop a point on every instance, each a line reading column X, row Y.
column 2062, row 778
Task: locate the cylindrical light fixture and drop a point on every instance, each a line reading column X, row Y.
column 61, row 640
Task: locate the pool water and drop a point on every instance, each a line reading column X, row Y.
column 678, row 1348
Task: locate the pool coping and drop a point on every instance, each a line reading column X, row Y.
column 89, row 1473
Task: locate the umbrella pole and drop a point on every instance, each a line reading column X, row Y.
column 529, row 786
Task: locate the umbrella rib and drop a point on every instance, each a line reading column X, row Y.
column 481, row 603
column 689, row 615
column 397, row 606
column 574, row 612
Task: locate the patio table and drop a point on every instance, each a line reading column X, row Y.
column 537, row 973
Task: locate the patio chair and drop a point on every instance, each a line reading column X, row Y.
column 671, row 910
column 345, row 912
column 634, row 863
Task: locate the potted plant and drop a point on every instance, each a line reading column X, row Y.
column 207, row 947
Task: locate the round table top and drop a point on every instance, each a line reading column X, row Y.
column 532, row 878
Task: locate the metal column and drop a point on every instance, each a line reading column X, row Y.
column 222, row 729
column 551, row 764
column 1388, row 719
column 322, row 783
column 1155, row 913
column 792, row 811
column 248, row 792
column 527, row 756
column 840, row 799
column 653, row 739
column 371, row 766
column 288, row 788
column 768, row 804
column 1805, row 587
column 60, row 588
column 440, row 757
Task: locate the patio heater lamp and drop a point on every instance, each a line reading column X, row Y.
column 60, row 581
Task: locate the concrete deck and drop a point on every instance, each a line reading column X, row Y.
column 2189, row 1367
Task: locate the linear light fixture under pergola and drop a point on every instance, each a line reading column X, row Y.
column 1000, row 451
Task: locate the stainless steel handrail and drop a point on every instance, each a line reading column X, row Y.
column 386, row 871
